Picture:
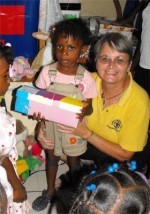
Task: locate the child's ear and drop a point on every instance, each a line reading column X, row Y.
column 85, row 49
column 84, row 54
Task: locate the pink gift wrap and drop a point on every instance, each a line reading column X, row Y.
column 54, row 107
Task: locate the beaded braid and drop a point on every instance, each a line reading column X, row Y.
column 76, row 196
column 79, row 198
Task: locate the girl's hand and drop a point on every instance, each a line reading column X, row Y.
column 19, row 195
column 37, row 116
column 40, row 132
column 86, row 110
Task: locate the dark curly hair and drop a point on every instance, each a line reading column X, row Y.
column 78, row 28
column 7, row 53
column 122, row 192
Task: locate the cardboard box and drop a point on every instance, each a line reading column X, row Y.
column 107, row 28
column 54, row 107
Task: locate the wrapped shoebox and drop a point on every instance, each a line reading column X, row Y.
column 107, row 28
column 54, row 107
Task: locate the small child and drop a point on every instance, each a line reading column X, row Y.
column 121, row 191
column 70, row 40
column 16, row 195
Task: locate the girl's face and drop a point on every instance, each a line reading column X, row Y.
column 112, row 66
column 68, row 51
column 4, row 76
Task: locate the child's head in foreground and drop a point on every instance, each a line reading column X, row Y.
column 6, row 58
column 121, row 192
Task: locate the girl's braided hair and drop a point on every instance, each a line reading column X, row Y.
column 123, row 191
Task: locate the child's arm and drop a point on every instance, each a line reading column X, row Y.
column 19, row 193
column 86, row 110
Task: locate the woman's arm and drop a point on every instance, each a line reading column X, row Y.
column 19, row 193
column 108, row 147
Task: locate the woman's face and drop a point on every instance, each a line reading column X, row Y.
column 4, row 76
column 112, row 66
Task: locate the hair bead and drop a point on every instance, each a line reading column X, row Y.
column 91, row 187
column 132, row 165
column 113, row 168
column 110, row 169
column 93, row 172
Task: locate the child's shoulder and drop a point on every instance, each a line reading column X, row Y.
column 45, row 69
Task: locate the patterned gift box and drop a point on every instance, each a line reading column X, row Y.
column 54, row 107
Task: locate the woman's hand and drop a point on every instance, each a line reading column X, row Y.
column 40, row 132
column 19, row 195
column 81, row 130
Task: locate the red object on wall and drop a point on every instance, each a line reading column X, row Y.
column 11, row 16
column 2, row 41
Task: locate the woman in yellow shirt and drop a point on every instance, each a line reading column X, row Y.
column 118, row 127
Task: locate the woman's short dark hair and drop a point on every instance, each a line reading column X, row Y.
column 121, row 192
column 115, row 41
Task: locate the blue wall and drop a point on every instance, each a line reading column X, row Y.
column 24, row 45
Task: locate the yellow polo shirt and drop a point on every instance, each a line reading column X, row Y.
column 126, row 122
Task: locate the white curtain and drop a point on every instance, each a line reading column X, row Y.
column 49, row 13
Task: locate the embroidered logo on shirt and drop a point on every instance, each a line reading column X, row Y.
column 116, row 124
